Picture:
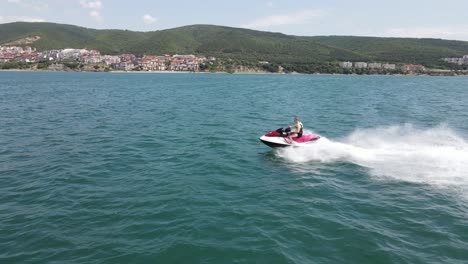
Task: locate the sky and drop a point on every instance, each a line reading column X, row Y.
column 446, row 19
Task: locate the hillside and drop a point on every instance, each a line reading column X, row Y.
column 59, row 36
column 242, row 45
column 398, row 50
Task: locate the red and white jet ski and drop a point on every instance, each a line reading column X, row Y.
column 279, row 138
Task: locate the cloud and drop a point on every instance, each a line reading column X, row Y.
column 96, row 15
column 94, row 7
column 33, row 4
column 91, row 4
column 148, row 19
column 445, row 32
column 270, row 4
column 297, row 18
column 8, row 19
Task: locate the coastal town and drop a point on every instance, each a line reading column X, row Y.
column 87, row 59
column 124, row 62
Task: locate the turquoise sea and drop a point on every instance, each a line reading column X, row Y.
column 168, row 168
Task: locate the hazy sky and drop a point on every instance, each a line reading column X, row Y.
column 446, row 19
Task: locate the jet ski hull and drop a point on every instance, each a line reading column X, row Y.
column 272, row 144
column 281, row 142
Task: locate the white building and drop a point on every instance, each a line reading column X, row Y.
column 458, row 61
column 108, row 59
column 346, row 64
column 70, row 54
column 50, row 55
column 124, row 66
column 360, row 64
column 374, row 65
column 91, row 59
column 388, row 66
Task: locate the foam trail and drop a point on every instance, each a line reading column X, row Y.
column 436, row 155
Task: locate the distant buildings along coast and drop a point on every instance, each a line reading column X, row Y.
column 167, row 62
column 123, row 62
column 459, row 61
column 382, row 66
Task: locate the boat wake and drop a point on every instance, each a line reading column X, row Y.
column 436, row 155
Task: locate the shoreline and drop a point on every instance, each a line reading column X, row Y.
column 435, row 73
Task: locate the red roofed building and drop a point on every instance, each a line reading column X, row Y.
column 32, row 57
column 128, row 57
column 7, row 57
column 184, row 63
column 153, row 63
column 413, row 68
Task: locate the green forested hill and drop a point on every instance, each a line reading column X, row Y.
column 398, row 50
column 59, row 36
column 238, row 44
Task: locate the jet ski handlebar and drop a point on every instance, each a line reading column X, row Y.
column 284, row 132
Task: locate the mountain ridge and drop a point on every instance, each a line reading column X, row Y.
column 239, row 44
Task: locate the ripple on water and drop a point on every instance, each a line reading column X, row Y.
column 106, row 168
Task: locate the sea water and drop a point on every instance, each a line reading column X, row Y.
column 168, row 168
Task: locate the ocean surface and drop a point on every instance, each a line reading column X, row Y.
column 168, row 168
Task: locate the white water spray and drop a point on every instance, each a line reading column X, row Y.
column 436, row 156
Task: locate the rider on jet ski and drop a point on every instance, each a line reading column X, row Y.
column 298, row 129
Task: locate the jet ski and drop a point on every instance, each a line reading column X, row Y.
column 279, row 138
